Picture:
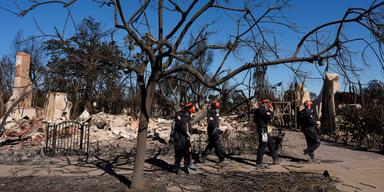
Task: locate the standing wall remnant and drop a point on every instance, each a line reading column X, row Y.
column 22, row 83
column 22, row 88
column 57, row 107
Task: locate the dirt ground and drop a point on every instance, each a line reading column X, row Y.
column 160, row 181
column 341, row 169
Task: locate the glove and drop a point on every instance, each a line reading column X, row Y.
column 217, row 132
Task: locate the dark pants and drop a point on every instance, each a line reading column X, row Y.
column 182, row 145
column 263, row 145
column 286, row 120
column 214, row 143
column 313, row 140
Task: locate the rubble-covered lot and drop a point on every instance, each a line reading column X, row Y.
column 24, row 138
column 164, row 181
column 24, row 166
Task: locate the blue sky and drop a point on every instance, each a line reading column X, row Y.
column 305, row 13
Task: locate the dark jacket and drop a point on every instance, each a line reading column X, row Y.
column 213, row 121
column 182, row 122
column 181, row 130
column 308, row 118
column 262, row 117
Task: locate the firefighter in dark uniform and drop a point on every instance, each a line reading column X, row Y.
column 262, row 117
column 214, row 141
column 309, row 122
column 181, row 136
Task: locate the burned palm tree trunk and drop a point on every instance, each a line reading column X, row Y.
column 328, row 113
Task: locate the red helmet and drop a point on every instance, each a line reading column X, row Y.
column 190, row 107
column 215, row 104
column 308, row 103
column 264, row 101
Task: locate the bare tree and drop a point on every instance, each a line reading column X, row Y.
column 162, row 43
column 7, row 73
column 182, row 86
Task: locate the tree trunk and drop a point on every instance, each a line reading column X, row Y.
column 145, row 111
column 2, row 95
column 328, row 124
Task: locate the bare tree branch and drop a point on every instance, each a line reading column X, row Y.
column 37, row 4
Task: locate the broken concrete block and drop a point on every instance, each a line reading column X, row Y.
column 84, row 116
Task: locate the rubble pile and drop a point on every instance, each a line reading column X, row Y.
column 108, row 127
column 105, row 127
column 117, row 130
column 122, row 129
column 28, row 132
column 22, row 141
column 160, row 130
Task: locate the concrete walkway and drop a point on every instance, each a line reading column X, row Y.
column 357, row 170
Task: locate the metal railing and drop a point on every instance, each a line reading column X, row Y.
column 67, row 138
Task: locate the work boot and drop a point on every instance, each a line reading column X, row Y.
column 277, row 161
column 314, row 160
column 186, row 170
column 175, row 169
column 262, row 166
column 222, row 163
column 307, row 156
column 201, row 160
column 192, row 166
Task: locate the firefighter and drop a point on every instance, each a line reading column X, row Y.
column 309, row 122
column 214, row 132
column 181, row 136
column 262, row 117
